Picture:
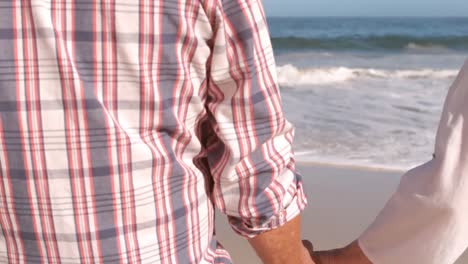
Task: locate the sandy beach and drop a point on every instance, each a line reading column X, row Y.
column 343, row 201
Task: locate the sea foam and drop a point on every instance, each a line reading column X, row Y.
column 290, row 75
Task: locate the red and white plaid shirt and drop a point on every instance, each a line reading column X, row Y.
column 124, row 124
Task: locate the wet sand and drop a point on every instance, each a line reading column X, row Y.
column 343, row 201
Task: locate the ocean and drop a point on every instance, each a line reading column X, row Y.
column 367, row 91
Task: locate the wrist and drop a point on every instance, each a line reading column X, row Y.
column 281, row 245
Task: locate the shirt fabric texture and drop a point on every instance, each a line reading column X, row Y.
column 124, row 124
column 425, row 221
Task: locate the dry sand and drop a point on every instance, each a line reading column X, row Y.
column 343, row 201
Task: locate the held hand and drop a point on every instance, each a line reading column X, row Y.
column 308, row 257
column 351, row 254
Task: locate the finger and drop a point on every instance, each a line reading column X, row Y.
column 308, row 245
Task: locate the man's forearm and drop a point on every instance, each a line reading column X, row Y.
column 282, row 245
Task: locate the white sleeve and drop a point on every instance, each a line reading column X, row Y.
column 426, row 220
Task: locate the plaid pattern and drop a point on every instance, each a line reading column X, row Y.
column 124, row 124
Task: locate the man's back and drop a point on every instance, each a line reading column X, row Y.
column 108, row 114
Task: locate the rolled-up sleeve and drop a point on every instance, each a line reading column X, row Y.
column 250, row 156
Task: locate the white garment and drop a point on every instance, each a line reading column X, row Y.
column 426, row 220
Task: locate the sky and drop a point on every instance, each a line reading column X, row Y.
column 366, row 7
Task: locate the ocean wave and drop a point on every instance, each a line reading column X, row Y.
column 374, row 43
column 427, row 47
column 290, row 75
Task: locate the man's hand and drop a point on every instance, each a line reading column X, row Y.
column 351, row 254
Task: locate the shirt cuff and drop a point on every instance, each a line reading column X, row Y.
column 253, row 228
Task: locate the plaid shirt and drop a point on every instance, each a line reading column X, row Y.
column 124, row 124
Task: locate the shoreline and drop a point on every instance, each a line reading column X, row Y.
column 343, row 165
